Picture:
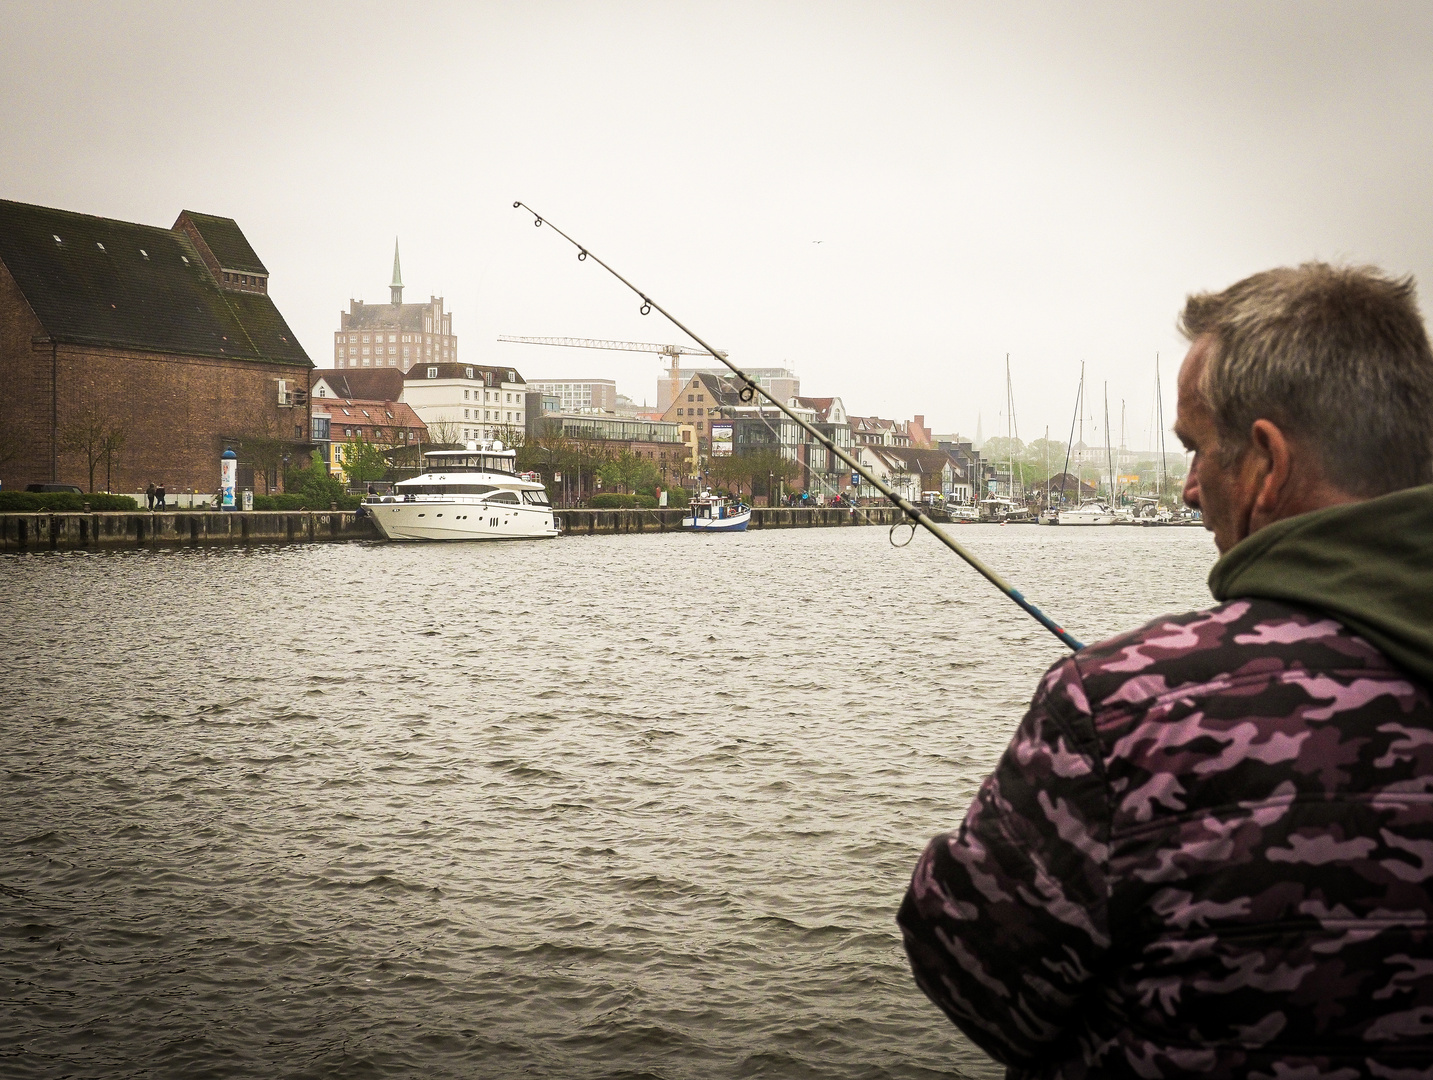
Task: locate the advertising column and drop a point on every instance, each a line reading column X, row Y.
column 228, row 477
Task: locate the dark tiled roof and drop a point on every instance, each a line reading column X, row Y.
column 226, row 240
column 361, row 316
column 130, row 286
column 419, row 371
column 373, row 384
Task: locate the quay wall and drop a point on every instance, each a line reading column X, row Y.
column 78, row 531
column 133, row 529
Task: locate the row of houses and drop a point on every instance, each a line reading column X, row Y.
column 132, row 354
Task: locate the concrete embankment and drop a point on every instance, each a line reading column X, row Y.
column 136, row 529
column 80, row 531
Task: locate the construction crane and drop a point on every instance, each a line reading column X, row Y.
column 620, row 346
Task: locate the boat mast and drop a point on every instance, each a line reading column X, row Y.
column 1047, row 468
column 1109, row 454
column 1070, row 444
column 1159, row 406
column 1012, row 430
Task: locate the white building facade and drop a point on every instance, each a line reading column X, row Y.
column 462, row 402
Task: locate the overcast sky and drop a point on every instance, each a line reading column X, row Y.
column 887, row 197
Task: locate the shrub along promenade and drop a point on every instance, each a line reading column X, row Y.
column 80, row 531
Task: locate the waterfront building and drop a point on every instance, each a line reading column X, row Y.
column 704, row 397
column 579, row 395
column 395, row 334
column 341, row 424
column 463, row 402
column 781, row 383
column 877, row 431
column 536, row 406
column 375, row 384
column 968, row 464
column 138, row 353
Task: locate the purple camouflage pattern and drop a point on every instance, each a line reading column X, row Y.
column 1208, row 850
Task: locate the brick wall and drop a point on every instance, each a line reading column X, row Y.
column 179, row 412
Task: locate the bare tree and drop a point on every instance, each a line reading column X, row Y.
column 95, row 434
column 444, row 432
column 263, row 445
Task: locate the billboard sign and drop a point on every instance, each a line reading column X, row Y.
column 721, row 440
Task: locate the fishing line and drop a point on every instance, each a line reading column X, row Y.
column 748, row 393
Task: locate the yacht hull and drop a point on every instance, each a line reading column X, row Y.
column 1074, row 517
column 461, row 521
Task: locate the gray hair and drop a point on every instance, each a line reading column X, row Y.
column 1336, row 356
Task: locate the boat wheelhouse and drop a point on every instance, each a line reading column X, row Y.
column 471, row 494
column 716, row 513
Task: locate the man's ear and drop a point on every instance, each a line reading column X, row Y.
column 1271, row 464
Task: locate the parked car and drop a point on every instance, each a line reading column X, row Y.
column 74, row 489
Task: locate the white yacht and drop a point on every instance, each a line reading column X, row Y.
column 1090, row 513
column 472, row 494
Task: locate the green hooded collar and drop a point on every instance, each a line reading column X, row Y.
column 1367, row 564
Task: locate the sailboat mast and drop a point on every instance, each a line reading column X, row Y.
column 1109, row 454
column 1070, row 444
column 1159, row 400
column 1010, row 429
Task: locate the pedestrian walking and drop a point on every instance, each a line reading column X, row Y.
column 159, row 497
column 149, row 496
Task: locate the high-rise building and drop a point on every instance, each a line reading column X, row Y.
column 394, row 334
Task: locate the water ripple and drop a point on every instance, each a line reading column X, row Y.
column 610, row 807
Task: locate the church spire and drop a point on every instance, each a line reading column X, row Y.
column 397, row 286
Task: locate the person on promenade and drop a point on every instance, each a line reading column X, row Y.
column 159, row 497
column 1208, row 849
column 149, row 496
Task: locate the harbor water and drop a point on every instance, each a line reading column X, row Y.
column 601, row 807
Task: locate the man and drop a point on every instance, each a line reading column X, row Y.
column 1208, row 849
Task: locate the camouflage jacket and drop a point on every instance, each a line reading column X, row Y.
column 1208, row 850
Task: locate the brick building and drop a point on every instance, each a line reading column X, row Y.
column 702, row 398
column 154, row 348
column 395, row 334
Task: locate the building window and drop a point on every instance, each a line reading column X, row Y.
column 691, row 397
column 469, row 373
column 432, row 373
column 679, row 412
column 465, row 414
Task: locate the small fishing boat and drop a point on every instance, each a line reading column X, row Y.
column 715, row 513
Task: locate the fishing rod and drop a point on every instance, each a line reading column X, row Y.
column 750, row 389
